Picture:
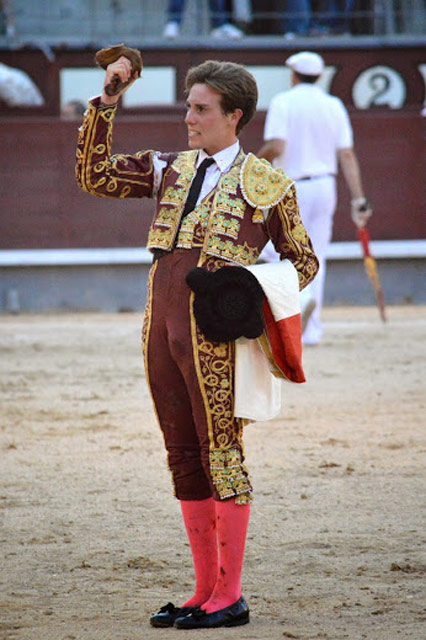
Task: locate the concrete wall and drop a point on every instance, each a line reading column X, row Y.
column 124, row 287
column 67, row 288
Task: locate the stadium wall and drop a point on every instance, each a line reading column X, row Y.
column 42, row 209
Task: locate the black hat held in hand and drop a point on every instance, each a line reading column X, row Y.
column 227, row 303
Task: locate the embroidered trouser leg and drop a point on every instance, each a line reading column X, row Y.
column 191, row 382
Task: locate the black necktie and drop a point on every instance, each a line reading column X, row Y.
column 194, row 192
column 190, row 203
column 195, row 189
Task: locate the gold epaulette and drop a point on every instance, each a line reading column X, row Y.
column 185, row 159
column 261, row 184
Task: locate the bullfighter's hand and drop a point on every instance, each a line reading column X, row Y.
column 123, row 69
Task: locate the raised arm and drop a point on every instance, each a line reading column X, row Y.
column 97, row 171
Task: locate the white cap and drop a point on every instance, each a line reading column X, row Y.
column 306, row 62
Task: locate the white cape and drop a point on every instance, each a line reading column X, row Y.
column 258, row 392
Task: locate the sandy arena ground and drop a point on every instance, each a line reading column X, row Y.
column 91, row 536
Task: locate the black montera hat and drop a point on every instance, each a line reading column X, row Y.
column 227, row 303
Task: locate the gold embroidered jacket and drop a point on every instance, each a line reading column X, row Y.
column 251, row 203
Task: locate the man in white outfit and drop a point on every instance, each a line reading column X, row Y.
column 308, row 133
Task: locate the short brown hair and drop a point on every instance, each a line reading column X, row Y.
column 236, row 85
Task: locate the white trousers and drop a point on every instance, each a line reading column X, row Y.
column 317, row 202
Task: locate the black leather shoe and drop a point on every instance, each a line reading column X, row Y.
column 168, row 614
column 233, row 616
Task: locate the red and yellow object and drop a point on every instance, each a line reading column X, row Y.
column 371, row 269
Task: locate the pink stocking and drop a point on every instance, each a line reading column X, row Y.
column 232, row 524
column 200, row 522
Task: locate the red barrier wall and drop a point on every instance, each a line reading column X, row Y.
column 42, row 207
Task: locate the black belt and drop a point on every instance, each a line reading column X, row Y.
column 323, row 175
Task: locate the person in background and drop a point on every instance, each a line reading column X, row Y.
column 323, row 17
column 7, row 19
column 222, row 28
column 17, row 89
column 241, row 12
column 73, row 110
column 308, row 134
column 332, row 17
column 297, row 18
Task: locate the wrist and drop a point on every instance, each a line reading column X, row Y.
column 108, row 101
column 360, row 200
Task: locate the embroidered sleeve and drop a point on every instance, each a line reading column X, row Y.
column 289, row 236
column 103, row 174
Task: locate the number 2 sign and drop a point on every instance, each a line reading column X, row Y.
column 379, row 86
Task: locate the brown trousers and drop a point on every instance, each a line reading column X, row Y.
column 191, row 383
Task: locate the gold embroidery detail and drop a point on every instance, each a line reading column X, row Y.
column 95, row 159
column 185, row 176
column 146, row 325
column 173, row 196
column 229, row 474
column 112, row 185
column 160, row 238
column 107, row 114
column 146, row 328
column 185, row 161
column 166, row 217
column 299, row 232
column 222, row 202
column 229, row 183
column 226, row 249
column 262, row 185
column 226, row 226
column 201, row 214
column 297, row 242
column 186, row 238
column 214, row 363
column 238, row 207
column 257, row 216
column 125, row 191
column 100, row 166
column 186, row 233
column 232, row 206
